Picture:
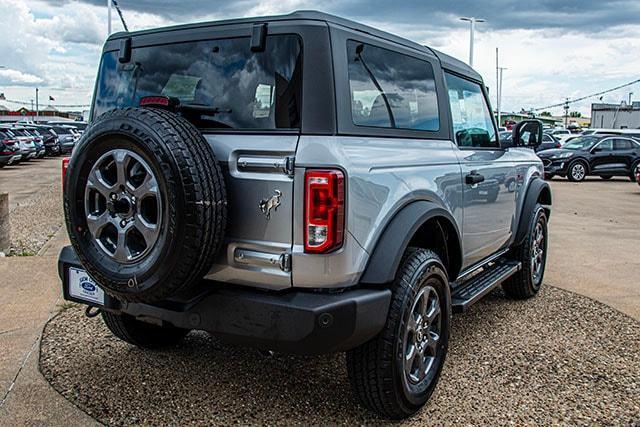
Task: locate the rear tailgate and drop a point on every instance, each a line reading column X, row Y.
column 259, row 178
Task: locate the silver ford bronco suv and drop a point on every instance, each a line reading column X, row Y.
column 303, row 184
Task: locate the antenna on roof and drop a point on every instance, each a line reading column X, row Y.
column 124, row 24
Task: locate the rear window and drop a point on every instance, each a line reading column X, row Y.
column 219, row 83
column 391, row 90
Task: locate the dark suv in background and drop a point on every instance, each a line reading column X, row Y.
column 600, row 155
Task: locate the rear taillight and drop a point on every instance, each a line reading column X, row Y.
column 65, row 168
column 324, row 210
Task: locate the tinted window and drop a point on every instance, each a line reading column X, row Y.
column 233, row 86
column 606, row 145
column 472, row 122
column 391, row 90
column 622, row 144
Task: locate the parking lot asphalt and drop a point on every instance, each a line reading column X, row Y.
column 594, row 237
column 23, row 180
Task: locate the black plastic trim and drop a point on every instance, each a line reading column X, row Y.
column 385, row 259
column 536, row 186
column 301, row 322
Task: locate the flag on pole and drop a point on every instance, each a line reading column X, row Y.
column 51, row 98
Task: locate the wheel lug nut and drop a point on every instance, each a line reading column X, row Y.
column 114, row 196
column 123, row 223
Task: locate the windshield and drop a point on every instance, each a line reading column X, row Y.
column 581, row 143
column 220, row 83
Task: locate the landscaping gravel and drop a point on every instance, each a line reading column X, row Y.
column 36, row 220
column 557, row 359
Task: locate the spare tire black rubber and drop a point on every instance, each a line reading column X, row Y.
column 145, row 204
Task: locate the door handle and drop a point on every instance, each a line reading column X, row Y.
column 473, row 178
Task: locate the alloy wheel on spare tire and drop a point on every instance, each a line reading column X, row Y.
column 145, row 203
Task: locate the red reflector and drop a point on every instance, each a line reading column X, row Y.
column 324, row 210
column 65, row 168
column 154, row 100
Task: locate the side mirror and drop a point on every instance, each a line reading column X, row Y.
column 528, row 133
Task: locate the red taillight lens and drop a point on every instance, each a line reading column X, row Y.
column 324, row 210
column 65, row 168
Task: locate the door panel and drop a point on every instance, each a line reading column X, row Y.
column 489, row 205
column 256, row 170
column 488, row 172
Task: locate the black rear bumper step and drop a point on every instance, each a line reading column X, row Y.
column 471, row 291
column 291, row 321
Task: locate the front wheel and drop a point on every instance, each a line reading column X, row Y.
column 577, row 171
column 532, row 253
column 395, row 373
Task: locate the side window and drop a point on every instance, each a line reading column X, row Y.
column 546, row 138
column 472, row 122
column 391, row 90
column 606, row 145
column 622, row 144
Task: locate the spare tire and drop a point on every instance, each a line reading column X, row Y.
column 145, row 204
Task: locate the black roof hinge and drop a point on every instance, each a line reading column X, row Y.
column 258, row 37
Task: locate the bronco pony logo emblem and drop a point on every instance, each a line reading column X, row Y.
column 271, row 203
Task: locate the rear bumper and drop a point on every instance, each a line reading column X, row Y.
column 292, row 321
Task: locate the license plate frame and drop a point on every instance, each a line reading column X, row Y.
column 79, row 287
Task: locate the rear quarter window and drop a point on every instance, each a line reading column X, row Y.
column 390, row 89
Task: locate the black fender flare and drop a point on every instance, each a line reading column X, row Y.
column 536, row 187
column 394, row 240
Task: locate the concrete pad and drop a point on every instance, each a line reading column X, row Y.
column 593, row 236
column 30, row 292
column 23, row 180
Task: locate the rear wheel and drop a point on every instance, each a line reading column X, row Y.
column 577, row 171
column 395, row 373
column 142, row 334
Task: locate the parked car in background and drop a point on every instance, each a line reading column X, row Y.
column 27, row 146
column 66, row 137
column 548, row 141
column 37, row 140
column 632, row 133
column 50, row 139
column 9, row 149
column 638, row 174
column 560, row 134
column 79, row 127
column 601, row 155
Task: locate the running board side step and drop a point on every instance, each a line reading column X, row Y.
column 472, row 290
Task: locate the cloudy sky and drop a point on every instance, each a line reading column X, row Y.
column 552, row 48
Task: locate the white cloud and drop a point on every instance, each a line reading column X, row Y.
column 18, row 77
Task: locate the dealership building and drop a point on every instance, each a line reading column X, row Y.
column 616, row 116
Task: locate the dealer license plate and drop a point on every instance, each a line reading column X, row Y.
column 82, row 287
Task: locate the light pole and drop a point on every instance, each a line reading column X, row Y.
column 472, row 21
column 630, row 93
column 500, row 69
column 109, row 5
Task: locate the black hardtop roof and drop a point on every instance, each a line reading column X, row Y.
column 446, row 61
